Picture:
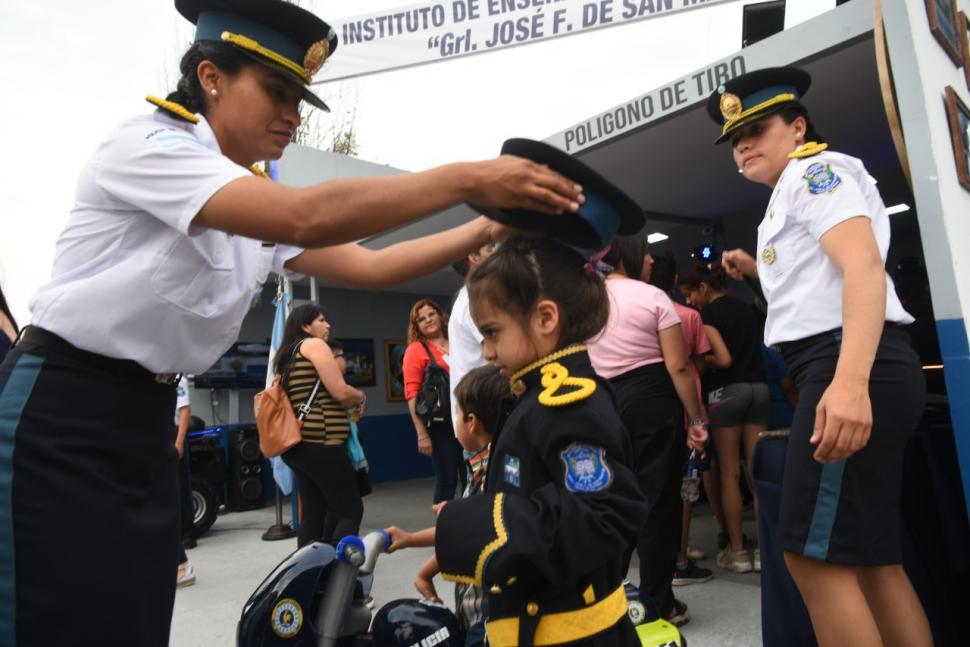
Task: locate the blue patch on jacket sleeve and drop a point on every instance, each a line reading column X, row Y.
column 586, row 468
column 511, row 472
column 820, row 178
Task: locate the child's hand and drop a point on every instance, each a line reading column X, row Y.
column 697, row 436
column 436, row 508
column 399, row 538
column 425, row 587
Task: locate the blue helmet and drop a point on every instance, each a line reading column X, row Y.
column 416, row 623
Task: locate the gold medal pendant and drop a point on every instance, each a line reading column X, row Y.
column 768, row 254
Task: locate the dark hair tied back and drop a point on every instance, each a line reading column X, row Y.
column 712, row 274
column 188, row 93
column 629, row 252
column 526, row 270
column 792, row 112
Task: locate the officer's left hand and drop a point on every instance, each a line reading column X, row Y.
column 180, row 448
column 843, row 421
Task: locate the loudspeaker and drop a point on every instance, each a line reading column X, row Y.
column 762, row 20
column 245, row 487
column 207, row 458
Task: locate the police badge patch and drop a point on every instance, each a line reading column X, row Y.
column 586, row 469
column 287, row 618
column 820, row 178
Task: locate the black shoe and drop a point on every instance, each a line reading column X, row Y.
column 691, row 574
column 678, row 615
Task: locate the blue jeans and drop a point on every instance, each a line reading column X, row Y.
column 446, row 460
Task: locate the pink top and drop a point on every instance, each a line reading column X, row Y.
column 696, row 341
column 638, row 311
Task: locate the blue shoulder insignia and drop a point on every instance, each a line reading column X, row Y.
column 820, row 178
column 586, row 468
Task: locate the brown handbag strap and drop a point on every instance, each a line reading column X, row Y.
column 304, row 409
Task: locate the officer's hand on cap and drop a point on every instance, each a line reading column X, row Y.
column 512, row 182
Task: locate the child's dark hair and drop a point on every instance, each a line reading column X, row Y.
column 627, row 251
column 713, row 274
column 481, row 392
column 526, row 270
column 189, row 93
column 664, row 272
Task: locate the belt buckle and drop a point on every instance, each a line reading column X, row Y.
column 167, row 378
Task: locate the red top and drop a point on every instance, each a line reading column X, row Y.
column 415, row 361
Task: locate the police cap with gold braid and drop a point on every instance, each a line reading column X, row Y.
column 751, row 96
column 278, row 34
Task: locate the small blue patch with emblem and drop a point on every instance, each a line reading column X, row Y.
column 586, row 468
column 511, row 472
column 820, row 178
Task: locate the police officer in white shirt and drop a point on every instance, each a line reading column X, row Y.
column 170, row 240
column 834, row 315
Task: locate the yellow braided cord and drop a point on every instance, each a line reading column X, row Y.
column 555, row 376
column 518, row 388
column 807, row 150
column 174, row 108
column 743, row 116
column 256, row 170
column 250, row 45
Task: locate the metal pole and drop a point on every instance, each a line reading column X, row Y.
column 279, row 530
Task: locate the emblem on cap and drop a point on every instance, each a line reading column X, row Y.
column 315, row 57
column 768, row 255
column 730, row 106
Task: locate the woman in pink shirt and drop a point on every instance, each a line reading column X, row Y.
column 641, row 351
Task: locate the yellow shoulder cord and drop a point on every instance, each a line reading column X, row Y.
column 807, row 150
column 516, row 383
column 555, row 376
column 256, row 170
column 173, row 108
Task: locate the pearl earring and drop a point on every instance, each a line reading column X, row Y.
column 213, row 92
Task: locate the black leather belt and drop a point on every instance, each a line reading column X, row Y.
column 788, row 347
column 36, row 336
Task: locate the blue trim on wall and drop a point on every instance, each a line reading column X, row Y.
column 956, row 369
column 13, row 399
column 392, row 449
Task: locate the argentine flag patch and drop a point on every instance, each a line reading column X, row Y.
column 586, row 468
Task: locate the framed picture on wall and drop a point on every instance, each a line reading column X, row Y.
column 964, row 23
column 946, row 27
column 394, row 368
column 959, row 117
column 359, row 354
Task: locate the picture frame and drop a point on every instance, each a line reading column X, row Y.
column 946, row 27
column 958, row 115
column 394, row 369
column 964, row 24
column 361, row 368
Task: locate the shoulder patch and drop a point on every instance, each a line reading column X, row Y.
column 820, row 178
column 555, row 376
column 586, row 468
column 511, row 471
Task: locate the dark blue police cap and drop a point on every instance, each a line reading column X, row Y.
column 751, row 96
column 607, row 211
column 284, row 37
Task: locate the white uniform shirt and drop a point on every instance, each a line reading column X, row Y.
column 181, row 397
column 802, row 286
column 464, row 346
column 133, row 277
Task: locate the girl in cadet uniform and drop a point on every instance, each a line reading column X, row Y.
column 548, row 537
column 835, row 317
column 170, row 240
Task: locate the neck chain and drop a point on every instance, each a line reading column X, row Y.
column 515, row 381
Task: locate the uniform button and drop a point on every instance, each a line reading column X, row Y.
column 532, row 608
column 495, row 590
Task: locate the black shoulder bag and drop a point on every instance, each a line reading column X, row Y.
column 433, row 404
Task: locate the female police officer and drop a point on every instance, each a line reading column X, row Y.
column 170, row 240
column 835, row 316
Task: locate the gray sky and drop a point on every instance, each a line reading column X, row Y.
column 72, row 70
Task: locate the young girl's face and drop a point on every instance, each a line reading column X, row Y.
column 507, row 344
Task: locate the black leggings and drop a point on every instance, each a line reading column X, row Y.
column 327, row 484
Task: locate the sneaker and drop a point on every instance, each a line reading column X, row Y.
column 691, row 574
column 695, row 554
column 757, row 560
column 738, row 562
column 678, row 615
column 186, row 575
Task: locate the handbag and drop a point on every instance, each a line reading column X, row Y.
column 434, row 399
column 278, row 426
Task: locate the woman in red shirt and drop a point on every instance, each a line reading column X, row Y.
column 428, row 333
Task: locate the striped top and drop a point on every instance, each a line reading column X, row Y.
column 327, row 422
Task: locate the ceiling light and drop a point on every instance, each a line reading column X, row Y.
column 656, row 237
column 897, row 208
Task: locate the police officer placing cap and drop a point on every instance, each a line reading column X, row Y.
column 834, row 315
column 170, row 240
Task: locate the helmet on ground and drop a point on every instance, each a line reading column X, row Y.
column 416, row 623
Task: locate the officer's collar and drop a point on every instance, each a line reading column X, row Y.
column 529, row 376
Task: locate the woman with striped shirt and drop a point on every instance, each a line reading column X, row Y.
column 324, row 476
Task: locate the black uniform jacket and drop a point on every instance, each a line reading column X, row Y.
column 548, row 537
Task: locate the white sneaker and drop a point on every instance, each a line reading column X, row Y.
column 186, row 575
column 738, row 562
column 695, row 554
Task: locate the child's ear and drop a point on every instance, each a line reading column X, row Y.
column 547, row 316
column 473, row 423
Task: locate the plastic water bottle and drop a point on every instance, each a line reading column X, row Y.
column 690, row 488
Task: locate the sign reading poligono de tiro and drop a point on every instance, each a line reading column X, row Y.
column 436, row 31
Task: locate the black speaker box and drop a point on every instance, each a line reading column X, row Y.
column 245, row 485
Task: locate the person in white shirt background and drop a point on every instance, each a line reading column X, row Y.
column 170, row 240
column 183, row 418
column 835, row 317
